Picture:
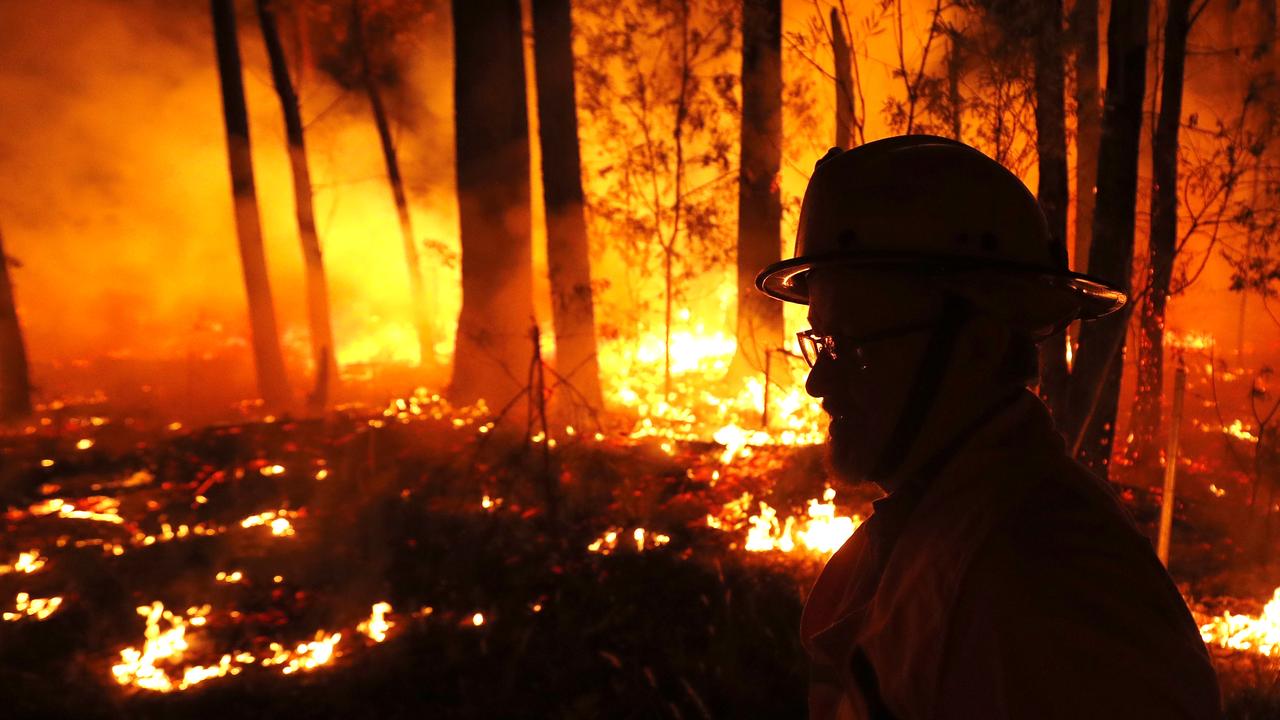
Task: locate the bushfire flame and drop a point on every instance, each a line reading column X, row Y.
column 1254, row 633
column 277, row 520
column 376, row 627
column 821, row 533
column 26, row 607
column 27, row 562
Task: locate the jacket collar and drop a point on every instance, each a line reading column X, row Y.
column 889, row 586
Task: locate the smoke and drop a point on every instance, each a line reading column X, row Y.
column 114, row 192
column 115, row 197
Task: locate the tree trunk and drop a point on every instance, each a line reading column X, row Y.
column 759, row 200
column 492, row 348
column 1051, row 147
column 1088, row 125
column 844, row 78
column 1164, row 233
column 568, row 252
column 15, row 378
column 955, row 103
column 1095, row 386
column 269, row 363
column 417, row 294
column 322, row 348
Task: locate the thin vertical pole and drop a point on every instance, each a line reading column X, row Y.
column 764, row 411
column 1171, row 464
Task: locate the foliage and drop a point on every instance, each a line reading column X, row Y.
column 388, row 31
column 657, row 88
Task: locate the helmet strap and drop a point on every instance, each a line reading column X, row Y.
column 924, row 391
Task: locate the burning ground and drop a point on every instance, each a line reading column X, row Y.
column 422, row 558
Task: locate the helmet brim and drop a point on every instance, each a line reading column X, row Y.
column 1045, row 299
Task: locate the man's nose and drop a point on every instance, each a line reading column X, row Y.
column 818, row 384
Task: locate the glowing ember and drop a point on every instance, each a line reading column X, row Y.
column 269, row 470
column 304, row 656
column 644, row 539
column 1238, row 429
column 29, row 607
column 1259, row 634
column 603, row 544
column 229, row 577
column 277, row 520
column 158, row 666
column 84, row 443
column 165, row 646
column 96, row 508
column 477, row 619
column 27, row 562
column 376, row 627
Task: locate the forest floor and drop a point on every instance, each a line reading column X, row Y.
column 406, row 563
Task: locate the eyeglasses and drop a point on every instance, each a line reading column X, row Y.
column 815, row 345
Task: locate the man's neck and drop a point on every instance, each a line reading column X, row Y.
column 945, row 434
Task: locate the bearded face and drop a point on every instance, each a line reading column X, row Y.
column 864, row 388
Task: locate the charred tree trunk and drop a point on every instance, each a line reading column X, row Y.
column 1088, row 125
column 759, row 199
column 493, row 201
column 269, row 363
column 322, row 347
column 1051, row 147
column 844, row 79
column 1164, row 233
column 15, row 378
column 1095, row 385
column 568, row 252
column 417, row 294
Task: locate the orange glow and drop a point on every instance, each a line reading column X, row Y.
column 277, row 520
column 26, row 607
column 376, row 627
column 27, row 562
column 1253, row 633
column 820, row 533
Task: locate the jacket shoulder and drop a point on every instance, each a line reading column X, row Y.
column 1065, row 611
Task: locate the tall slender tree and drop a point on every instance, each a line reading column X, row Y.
column 368, row 80
column 568, row 256
column 759, row 197
column 1094, row 393
column 843, row 81
column 955, row 102
column 1051, row 149
column 15, row 378
column 268, row 361
column 1084, row 27
column 322, row 348
column 1164, row 231
column 493, row 350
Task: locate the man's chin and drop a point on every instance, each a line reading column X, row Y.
column 847, row 463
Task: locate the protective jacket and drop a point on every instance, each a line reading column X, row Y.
column 1010, row 583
